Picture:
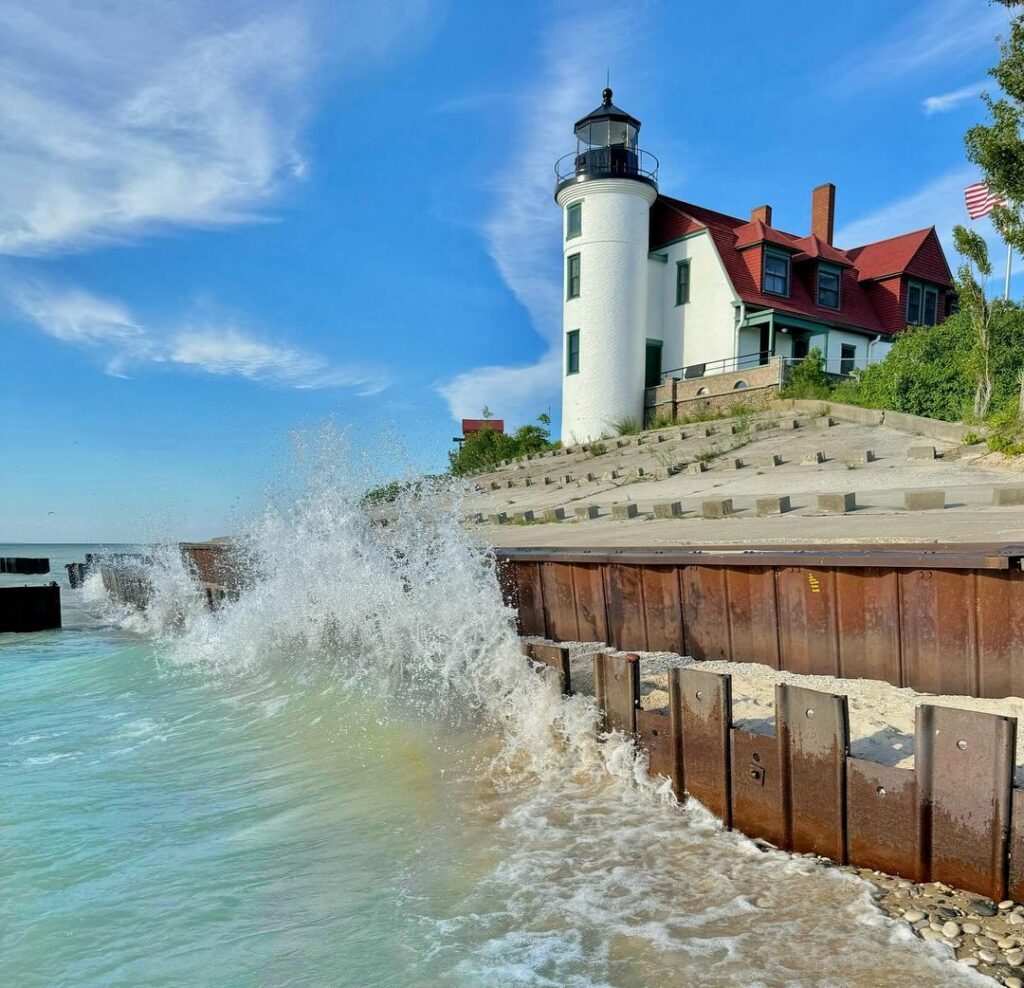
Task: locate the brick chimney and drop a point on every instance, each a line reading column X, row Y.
column 823, row 212
column 762, row 213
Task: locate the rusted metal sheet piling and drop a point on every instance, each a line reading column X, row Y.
column 943, row 620
column 954, row 818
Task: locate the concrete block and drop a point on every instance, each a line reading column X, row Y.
column 716, row 509
column 865, row 456
column 510, row 483
column 772, row 506
column 640, row 440
column 622, row 443
column 837, row 503
column 528, row 481
column 549, row 480
column 587, row 511
column 529, row 456
column 705, row 430
column 921, row 453
column 591, row 477
column 554, row 514
column 1006, row 496
column 661, row 437
column 524, row 516
column 816, row 457
column 567, row 479
column 623, row 512
column 671, row 509
column 697, row 467
column 789, row 424
column 498, row 519
column 610, row 475
column 771, row 460
column 735, row 463
column 924, row 500
column 640, row 473
column 495, row 486
column 684, row 434
column 477, row 518
column 823, row 422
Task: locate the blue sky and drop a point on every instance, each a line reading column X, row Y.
column 222, row 224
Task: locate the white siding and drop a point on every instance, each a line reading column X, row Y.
column 703, row 329
column 834, row 354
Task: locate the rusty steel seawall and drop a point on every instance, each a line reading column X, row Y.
column 954, row 817
column 944, row 619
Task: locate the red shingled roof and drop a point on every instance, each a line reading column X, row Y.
column 865, row 302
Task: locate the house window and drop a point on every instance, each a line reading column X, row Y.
column 776, row 273
column 682, row 282
column 828, row 286
column 572, row 352
column 914, row 304
column 931, row 305
column 847, row 358
column 572, row 276
column 574, row 220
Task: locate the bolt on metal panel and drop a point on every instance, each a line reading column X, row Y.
column 559, row 601
column 882, row 819
column 757, row 806
column 814, row 735
column 705, row 709
column 656, row 733
column 554, row 657
column 617, row 688
column 664, row 617
column 965, row 773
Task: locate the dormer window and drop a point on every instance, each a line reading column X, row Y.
column 828, row 286
column 776, row 273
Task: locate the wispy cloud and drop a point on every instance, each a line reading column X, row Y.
column 116, row 121
column 522, row 235
column 931, row 34
column 79, row 317
column 950, row 101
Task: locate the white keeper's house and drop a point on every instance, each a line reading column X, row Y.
column 664, row 296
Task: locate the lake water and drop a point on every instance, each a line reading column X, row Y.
column 348, row 777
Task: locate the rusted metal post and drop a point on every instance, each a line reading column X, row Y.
column 705, row 709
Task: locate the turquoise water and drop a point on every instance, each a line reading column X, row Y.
column 267, row 797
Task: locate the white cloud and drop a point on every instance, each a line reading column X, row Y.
column 522, row 234
column 938, row 33
column 75, row 315
column 82, row 318
column 118, row 119
column 950, row 101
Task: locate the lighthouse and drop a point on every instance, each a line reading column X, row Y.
column 605, row 190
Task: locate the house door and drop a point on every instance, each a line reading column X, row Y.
column 764, row 345
column 652, row 375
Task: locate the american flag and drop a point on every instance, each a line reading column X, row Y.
column 980, row 200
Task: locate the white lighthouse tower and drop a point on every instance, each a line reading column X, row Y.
column 605, row 190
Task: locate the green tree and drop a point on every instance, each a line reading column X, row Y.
column 998, row 146
column 487, row 447
column 808, row 378
column 972, row 248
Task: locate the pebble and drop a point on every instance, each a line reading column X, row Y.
column 915, row 916
column 937, row 927
column 1006, row 943
column 982, row 908
column 1006, row 905
column 970, row 961
column 929, row 934
column 1012, row 982
column 1015, row 919
column 951, row 930
column 972, row 929
column 1014, row 958
column 988, row 956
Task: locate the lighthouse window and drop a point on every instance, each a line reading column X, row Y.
column 572, row 352
column 776, row 273
column 574, row 220
column 682, row 282
column 572, row 276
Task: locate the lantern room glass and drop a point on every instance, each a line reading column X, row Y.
column 604, row 133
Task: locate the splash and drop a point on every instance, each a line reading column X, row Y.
column 412, row 610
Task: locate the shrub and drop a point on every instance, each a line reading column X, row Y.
column 808, row 378
column 485, row 449
column 626, row 427
column 597, row 448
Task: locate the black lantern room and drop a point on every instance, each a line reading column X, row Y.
column 606, row 147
